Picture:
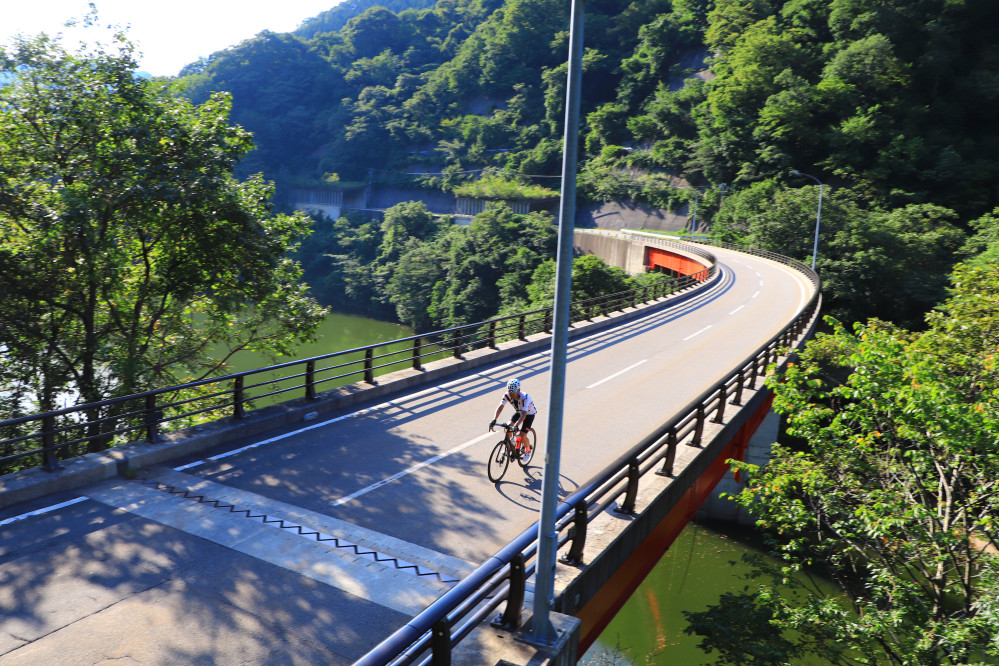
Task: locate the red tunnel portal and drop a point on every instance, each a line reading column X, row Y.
column 678, row 264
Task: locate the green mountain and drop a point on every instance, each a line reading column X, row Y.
column 891, row 104
column 334, row 19
column 897, row 95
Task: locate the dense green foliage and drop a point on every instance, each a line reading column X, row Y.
column 334, row 19
column 432, row 274
column 497, row 187
column 893, row 492
column 128, row 251
column 896, row 97
column 890, row 264
column 890, row 102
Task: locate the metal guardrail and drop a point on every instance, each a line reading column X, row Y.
column 44, row 439
column 503, row 577
column 501, row 580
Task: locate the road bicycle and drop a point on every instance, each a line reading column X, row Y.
column 508, row 449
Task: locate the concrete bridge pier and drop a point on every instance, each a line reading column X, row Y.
column 757, row 453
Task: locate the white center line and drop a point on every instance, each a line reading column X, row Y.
column 617, row 374
column 737, row 309
column 414, row 468
column 694, row 335
column 756, row 294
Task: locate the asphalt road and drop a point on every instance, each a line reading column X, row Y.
column 153, row 570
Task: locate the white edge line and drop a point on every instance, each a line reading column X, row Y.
column 39, row 512
column 617, row 374
column 220, row 456
column 414, row 468
column 318, row 425
column 694, row 335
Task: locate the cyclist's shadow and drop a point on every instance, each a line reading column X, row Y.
column 526, row 492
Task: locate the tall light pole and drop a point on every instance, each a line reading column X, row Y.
column 543, row 632
column 818, row 216
column 693, row 220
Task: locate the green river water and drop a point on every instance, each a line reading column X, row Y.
column 703, row 563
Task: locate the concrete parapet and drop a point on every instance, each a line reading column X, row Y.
column 490, row 645
column 627, row 249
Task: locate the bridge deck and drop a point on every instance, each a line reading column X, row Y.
column 368, row 514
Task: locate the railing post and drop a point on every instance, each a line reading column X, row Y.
column 492, row 334
column 753, row 374
column 631, row 494
column 699, row 428
column 521, row 328
column 670, row 457
column 456, row 343
column 510, row 619
column 578, row 535
column 416, row 354
column 369, row 372
column 548, row 321
column 310, row 380
column 150, row 417
column 440, row 643
column 737, row 399
column 49, row 461
column 722, row 396
column 237, row 399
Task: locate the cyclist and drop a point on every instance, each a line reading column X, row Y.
column 523, row 408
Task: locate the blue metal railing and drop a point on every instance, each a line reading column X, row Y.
column 44, row 439
column 503, row 576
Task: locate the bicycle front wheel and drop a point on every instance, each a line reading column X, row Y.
column 499, row 460
column 528, row 443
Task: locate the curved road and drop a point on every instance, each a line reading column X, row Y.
column 131, row 569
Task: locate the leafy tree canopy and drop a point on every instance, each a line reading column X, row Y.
column 128, row 250
column 894, row 496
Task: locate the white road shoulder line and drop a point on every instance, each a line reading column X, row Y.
column 414, row 468
column 617, row 374
column 39, row 512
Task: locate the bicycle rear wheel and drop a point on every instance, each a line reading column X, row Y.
column 527, row 451
column 499, row 460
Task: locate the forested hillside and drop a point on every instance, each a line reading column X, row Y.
column 129, row 253
column 892, row 104
column 898, row 96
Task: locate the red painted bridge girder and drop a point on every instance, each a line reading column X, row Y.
column 674, row 262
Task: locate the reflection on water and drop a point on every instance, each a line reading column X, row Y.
column 703, row 563
column 338, row 332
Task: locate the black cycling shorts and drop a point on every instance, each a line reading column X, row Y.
column 528, row 421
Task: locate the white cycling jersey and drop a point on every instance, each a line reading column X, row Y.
column 522, row 403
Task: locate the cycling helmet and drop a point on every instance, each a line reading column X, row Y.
column 513, row 385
